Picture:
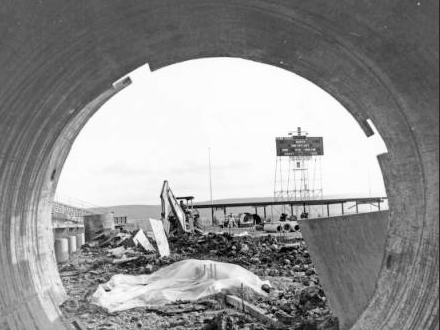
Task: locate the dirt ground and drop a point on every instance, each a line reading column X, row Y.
column 295, row 300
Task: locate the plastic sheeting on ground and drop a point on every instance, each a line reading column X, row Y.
column 185, row 280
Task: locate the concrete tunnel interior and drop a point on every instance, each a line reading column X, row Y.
column 59, row 62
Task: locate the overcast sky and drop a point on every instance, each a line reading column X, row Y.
column 162, row 125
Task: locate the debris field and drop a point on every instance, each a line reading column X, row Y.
column 295, row 299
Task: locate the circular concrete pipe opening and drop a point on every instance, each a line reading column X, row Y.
column 287, row 227
column 58, row 63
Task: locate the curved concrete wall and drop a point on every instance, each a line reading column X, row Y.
column 58, row 60
column 347, row 252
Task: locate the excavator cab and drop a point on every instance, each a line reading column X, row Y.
column 186, row 203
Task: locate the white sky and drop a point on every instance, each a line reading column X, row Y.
column 161, row 126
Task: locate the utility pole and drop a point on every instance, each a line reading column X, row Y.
column 210, row 186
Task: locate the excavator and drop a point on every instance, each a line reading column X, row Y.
column 178, row 217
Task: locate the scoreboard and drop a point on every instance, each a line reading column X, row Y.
column 299, row 146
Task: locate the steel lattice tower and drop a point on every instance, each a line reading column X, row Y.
column 297, row 177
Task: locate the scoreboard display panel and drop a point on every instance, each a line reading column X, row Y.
column 299, row 146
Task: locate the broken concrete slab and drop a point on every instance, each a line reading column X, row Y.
column 160, row 237
column 117, row 252
column 143, row 241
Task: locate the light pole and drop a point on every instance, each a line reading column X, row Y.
column 210, row 186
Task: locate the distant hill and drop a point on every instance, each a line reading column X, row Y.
column 153, row 211
column 134, row 211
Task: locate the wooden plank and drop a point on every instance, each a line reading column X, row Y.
column 247, row 307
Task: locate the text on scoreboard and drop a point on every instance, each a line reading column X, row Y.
column 299, row 146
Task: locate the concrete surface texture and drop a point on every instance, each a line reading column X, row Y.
column 347, row 252
column 61, row 247
column 59, row 58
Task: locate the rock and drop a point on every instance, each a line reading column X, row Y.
column 266, row 288
column 71, row 305
column 149, row 269
column 309, row 272
column 255, row 260
column 285, row 318
column 311, row 297
column 117, row 252
column 244, row 248
column 273, row 272
column 176, row 323
column 221, row 322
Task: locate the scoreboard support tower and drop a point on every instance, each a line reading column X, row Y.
column 298, row 173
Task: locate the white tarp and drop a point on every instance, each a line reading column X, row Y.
column 185, row 280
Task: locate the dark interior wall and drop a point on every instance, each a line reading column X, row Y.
column 58, row 60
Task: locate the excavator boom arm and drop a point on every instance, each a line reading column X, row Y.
column 170, row 204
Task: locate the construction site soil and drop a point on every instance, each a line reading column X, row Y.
column 295, row 299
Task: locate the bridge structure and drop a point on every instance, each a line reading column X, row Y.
column 69, row 212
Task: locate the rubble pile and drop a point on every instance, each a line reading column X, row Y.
column 92, row 266
column 300, row 305
column 295, row 299
column 264, row 255
column 231, row 321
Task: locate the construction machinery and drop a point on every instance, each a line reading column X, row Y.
column 242, row 220
column 178, row 217
column 281, row 227
column 286, row 223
